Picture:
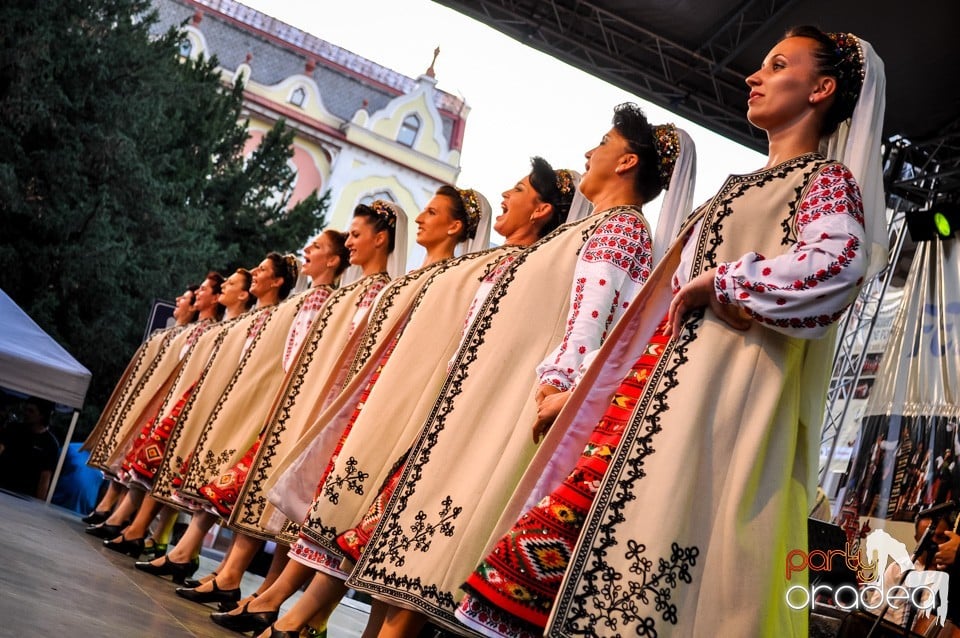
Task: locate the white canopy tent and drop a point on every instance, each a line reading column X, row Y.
column 33, row 363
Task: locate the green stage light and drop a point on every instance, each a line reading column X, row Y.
column 942, row 224
column 937, row 222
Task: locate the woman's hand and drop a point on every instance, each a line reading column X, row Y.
column 947, row 551
column 697, row 293
column 550, row 400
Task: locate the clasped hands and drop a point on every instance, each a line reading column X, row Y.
column 550, row 400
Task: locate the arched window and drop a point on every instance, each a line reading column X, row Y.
column 298, row 97
column 186, row 47
column 368, row 199
column 409, row 130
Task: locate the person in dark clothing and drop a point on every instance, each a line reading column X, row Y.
column 29, row 451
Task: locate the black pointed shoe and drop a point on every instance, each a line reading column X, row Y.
column 255, row 621
column 193, row 583
column 215, row 595
column 95, row 517
column 179, row 571
column 104, row 530
column 132, row 546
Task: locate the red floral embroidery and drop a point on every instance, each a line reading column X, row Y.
column 624, row 242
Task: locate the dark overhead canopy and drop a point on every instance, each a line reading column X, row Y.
column 691, row 56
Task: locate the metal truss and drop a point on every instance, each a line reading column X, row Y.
column 855, row 331
column 697, row 84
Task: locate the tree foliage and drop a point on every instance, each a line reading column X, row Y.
column 122, row 177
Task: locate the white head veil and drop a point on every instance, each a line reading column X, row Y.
column 303, row 282
column 580, row 207
column 678, row 200
column 857, row 144
column 481, row 238
column 397, row 260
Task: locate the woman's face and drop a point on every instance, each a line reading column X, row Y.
column 184, row 306
column 363, row 241
column 781, row 91
column 263, row 279
column 232, row 290
column 206, row 298
column 518, row 205
column 436, row 223
column 603, row 161
column 319, row 257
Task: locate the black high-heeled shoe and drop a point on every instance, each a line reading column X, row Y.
column 95, row 517
column 154, row 549
column 255, row 621
column 104, row 530
column 179, row 571
column 193, row 583
column 276, row 633
column 215, row 595
column 131, row 546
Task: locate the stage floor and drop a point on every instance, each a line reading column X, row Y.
column 55, row 580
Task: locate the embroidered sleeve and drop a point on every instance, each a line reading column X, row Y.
column 612, row 266
column 370, row 295
column 301, row 324
column 803, row 291
column 483, row 291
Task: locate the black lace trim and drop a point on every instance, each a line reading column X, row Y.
column 252, row 499
column 373, row 573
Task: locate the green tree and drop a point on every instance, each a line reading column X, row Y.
column 122, row 177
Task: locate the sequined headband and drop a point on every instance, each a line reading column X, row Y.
column 471, row 203
column 849, row 66
column 564, row 181
column 668, row 150
column 385, row 211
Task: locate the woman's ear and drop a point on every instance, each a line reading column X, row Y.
column 542, row 212
column 825, row 87
column 456, row 227
column 627, row 161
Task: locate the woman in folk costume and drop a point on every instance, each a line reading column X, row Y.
column 214, row 353
column 325, row 259
column 450, row 218
column 438, row 521
column 103, row 438
column 236, row 298
column 718, row 380
column 154, row 359
column 555, row 518
column 415, row 358
column 208, row 310
column 368, row 242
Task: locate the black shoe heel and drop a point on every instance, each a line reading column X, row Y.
column 179, row 571
column 132, row 546
column 95, row 517
column 104, row 531
column 255, row 621
column 215, row 595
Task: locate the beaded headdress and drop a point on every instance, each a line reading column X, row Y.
column 472, row 205
column 668, row 148
column 564, row 181
column 849, row 66
column 292, row 265
column 385, row 211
